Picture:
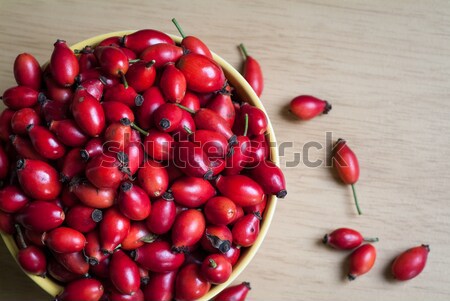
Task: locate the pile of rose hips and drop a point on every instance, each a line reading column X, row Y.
column 130, row 170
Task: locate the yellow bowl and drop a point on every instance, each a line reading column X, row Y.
column 246, row 93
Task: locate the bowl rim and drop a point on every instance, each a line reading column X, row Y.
column 246, row 92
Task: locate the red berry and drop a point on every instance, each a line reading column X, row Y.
column 216, row 268
column 361, row 261
column 234, row 293
column 27, row 71
column 307, row 107
column 410, row 263
column 64, row 64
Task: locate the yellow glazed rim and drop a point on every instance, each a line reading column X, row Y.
column 246, row 93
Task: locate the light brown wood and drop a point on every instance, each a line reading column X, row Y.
column 385, row 67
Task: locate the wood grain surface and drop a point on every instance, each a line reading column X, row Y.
column 385, row 67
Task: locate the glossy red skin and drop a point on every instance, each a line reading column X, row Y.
column 361, row 261
column 104, row 172
column 187, row 121
column 90, row 74
column 234, row 293
column 52, row 110
column 162, row 216
column 117, row 135
column 162, row 54
column 101, row 270
column 233, row 254
column 68, row 199
column 135, row 153
column 58, row 272
column 4, row 163
column 91, row 196
column 83, row 218
column 24, row 148
column 20, row 97
column 64, row 240
column 87, row 289
column 12, row 199
column 40, row 216
column 153, row 178
column 7, row 223
column 111, row 41
column 188, row 229
column 56, row 92
column 158, row 257
column 343, row 239
column 242, row 190
column 257, row 151
column 191, row 101
column 124, row 273
column 192, row 160
column 192, row 192
column 246, row 230
column 93, row 248
column 131, row 55
column 87, row 60
column 195, row 45
column 216, row 268
column 22, row 118
column 141, row 75
column 113, row 229
column 257, row 120
column 410, row 263
column 64, row 64
column 153, row 99
column 112, row 60
column 223, row 106
column 138, row 41
column 5, row 124
column 220, row 210
column 74, row 262
column 172, row 83
column 214, row 144
column 161, row 286
column 219, row 232
column 139, row 235
column 94, row 87
column 115, row 111
column 158, row 145
column 167, row 117
column 307, row 107
column 253, row 74
column 38, row 179
column 270, row 177
column 190, row 283
column 27, row 71
column 133, row 202
column 109, row 81
column 93, row 148
column 68, row 132
column 45, row 142
column 115, row 295
column 73, row 165
column 88, row 113
column 32, row 260
column 207, row 119
column 345, row 162
column 260, row 207
column 202, row 74
column 125, row 95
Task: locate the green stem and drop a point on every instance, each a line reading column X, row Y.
column 356, row 200
column 188, row 130
column 246, row 125
column 20, row 240
column 124, row 80
column 371, row 239
column 137, row 128
column 244, row 50
column 177, row 25
column 134, row 61
column 150, row 64
column 212, row 263
column 185, row 108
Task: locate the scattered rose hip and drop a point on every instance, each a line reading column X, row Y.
column 129, row 163
column 346, row 239
column 410, row 263
column 307, row 107
column 361, row 261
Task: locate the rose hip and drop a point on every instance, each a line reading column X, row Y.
column 220, row 210
column 133, row 201
column 223, row 106
column 4, row 164
column 31, row 258
column 162, row 215
column 83, row 218
column 92, row 250
column 410, row 263
column 138, row 235
column 87, row 60
column 161, row 286
column 158, row 145
column 246, row 230
column 112, row 60
column 192, row 44
column 242, row 190
column 190, row 283
column 162, row 54
column 187, row 229
column 346, row 164
column 216, row 268
column 105, row 171
column 27, row 71
column 158, row 257
column 24, row 148
column 40, row 216
column 252, row 72
column 58, row 272
column 88, row 113
column 92, row 148
column 64, row 240
column 20, row 97
column 92, row 196
column 87, row 289
column 307, row 107
column 113, row 229
column 153, row 99
column 57, row 93
column 12, row 199
column 167, row 117
column 234, row 293
column 124, row 273
column 192, row 192
column 64, row 64
column 361, row 261
column 207, row 119
column 141, row 75
column 172, row 83
column 192, row 160
column 345, row 239
column 68, row 132
column 5, row 124
column 124, row 94
column 138, row 41
column 217, row 239
column 45, row 142
column 22, row 119
column 153, row 178
column 38, row 179
column 270, row 177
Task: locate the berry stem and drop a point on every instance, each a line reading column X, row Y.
column 185, row 108
column 20, row 240
column 212, row 263
column 124, row 80
column 134, row 61
column 246, row 124
column 177, row 25
column 371, row 239
column 188, row 130
column 150, row 64
column 244, row 50
column 356, row 199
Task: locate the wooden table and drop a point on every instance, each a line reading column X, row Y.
column 385, row 67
